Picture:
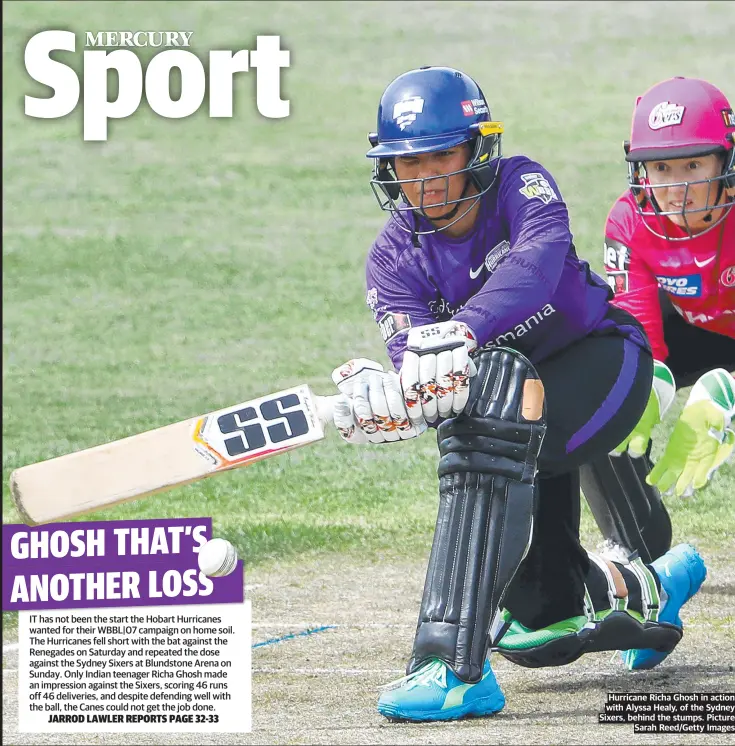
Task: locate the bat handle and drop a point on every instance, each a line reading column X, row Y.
column 325, row 407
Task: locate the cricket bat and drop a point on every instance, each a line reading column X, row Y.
column 170, row 456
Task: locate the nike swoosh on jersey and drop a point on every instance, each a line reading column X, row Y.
column 705, row 262
column 475, row 273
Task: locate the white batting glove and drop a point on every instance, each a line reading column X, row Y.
column 436, row 371
column 371, row 408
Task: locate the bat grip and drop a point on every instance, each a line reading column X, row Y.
column 325, row 408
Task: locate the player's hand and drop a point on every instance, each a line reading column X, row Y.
column 701, row 440
column 371, row 408
column 662, row 395
column 436, row 371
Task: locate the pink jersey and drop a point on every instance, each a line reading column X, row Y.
column 698, row 274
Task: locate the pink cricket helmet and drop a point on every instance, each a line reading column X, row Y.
column 680, row 118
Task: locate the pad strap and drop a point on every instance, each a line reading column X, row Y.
column 650, row 597
column 617, row 592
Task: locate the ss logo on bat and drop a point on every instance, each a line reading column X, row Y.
column 252, row 427
column 249, row 423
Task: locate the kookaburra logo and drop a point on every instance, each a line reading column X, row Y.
column 665, row 114
column 404, row 112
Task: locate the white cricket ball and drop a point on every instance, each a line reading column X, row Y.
column 217, row 558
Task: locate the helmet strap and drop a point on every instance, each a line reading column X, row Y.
column 720, row 189
column 414, row 235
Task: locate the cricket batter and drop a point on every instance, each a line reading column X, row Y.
column 504, row 341
column 670, row 257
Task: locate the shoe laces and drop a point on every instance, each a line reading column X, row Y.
column 431, row 673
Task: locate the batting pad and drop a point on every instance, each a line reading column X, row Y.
column 628, row 511
column 487, row 499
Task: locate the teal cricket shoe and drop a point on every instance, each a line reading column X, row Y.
column 681, row 572
column 433, row 692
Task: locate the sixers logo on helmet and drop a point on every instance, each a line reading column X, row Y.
column 727, row 278
column 665, row 114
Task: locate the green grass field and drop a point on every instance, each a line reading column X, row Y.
column 183, row 266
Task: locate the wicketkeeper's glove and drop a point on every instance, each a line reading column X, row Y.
column 701, row 440
column 662, row 395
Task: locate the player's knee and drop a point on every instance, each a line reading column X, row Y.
column 503, row 424
column 506, row 387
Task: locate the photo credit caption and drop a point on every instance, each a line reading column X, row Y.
column 159, row 669
column 672, row 712
column 267, row 59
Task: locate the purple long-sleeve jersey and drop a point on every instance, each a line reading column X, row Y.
column 514, row 279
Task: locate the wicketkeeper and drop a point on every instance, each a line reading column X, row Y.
column 505, row 342
column 670, row 257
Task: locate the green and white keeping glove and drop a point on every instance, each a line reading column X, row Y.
column 701, row 440
column 662, row 395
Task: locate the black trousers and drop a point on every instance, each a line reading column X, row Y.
column 596, row 391
column 693, row 351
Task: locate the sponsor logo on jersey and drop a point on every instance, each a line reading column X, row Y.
column 492, row 259
column 727, row 278
column 372, row 298
column 689, row 286
column 537, row 187
column 495, row 255
column 665, row 114
column 393, row 323
column 442, row 309
column 404, row 112
column 618, row 281
column 705, row 262
column 474, row 106
column 702, row 318
column 528, row 325
column 617, row 255
column 728, row 116
column 671, row 262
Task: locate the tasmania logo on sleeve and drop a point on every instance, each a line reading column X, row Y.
column 392, row 323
